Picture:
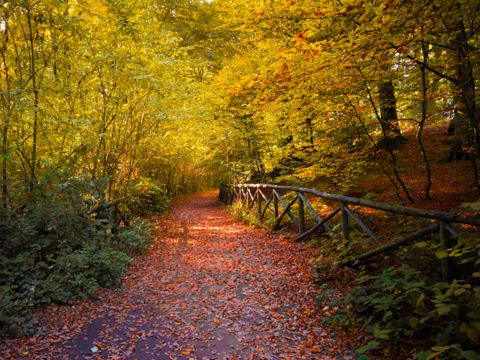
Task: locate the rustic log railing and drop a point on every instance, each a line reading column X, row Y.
column 267, row 196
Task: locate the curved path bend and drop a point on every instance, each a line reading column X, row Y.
column 210, row 288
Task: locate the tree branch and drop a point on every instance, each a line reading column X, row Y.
column 431, row 69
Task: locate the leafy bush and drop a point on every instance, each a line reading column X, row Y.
column 249, row 216
column 401, row 304
column 136, row 238
column 15, row 312
column 144, row 197
column 53, row 248
column 84, row 271
column 408, row 302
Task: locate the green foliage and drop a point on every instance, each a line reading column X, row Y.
column 17, row 287
column 55, row 249
column 473, row 206
column 400, row 303
column 85, row 270
column 15, row 313
column 248, row 215
column 136, row 238
column 144, row 197
column 323, row 295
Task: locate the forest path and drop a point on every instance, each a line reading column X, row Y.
column 210, row 288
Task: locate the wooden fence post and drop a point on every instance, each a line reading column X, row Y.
column 275, row 206
column 259, row 205
column 345, row 227
column 445, row 243
column 301, row 215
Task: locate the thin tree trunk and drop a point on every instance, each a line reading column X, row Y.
column 33, row 178
column 424, row 104
column 309, row 125
column 398, row 177
column 5, row 166
column 365, row 129
column 6, row 122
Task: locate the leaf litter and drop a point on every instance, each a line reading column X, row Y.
column 209, row 288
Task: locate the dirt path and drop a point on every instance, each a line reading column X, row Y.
column 211, row 288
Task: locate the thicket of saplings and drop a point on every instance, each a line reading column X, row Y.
column 61, row 240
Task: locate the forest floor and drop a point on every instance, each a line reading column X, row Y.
column 209, row 288
column 452, row 182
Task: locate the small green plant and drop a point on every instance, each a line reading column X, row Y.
column 401, row 303
column 323, row 294
column 82, row 272
column 240, row 211
column 144, row 197
column 136, row 238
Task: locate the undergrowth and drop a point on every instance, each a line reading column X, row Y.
column 247, row 215
column 54, row 248
column 407, row 309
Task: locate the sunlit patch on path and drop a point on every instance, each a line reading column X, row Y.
column 210, row 288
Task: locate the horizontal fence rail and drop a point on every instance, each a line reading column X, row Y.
column 266, row 197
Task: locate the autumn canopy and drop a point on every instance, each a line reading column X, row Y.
column 110, row 108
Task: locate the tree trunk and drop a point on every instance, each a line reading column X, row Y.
column 4, row 166
column 6, row 119
column 392, row 136
column 423, row 120
column 309, row 125
column 467, row 136
column 390, row 151
column 33, row 176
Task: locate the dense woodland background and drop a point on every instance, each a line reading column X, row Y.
column 110, row 108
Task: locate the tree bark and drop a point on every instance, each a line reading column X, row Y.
column 467, row 136
column 33, row 176
column 392, row 136
column 6, row 120
column 424, row 105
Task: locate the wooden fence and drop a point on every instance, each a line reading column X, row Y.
column 266, row 196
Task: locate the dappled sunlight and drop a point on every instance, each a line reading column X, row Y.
column 219, row 229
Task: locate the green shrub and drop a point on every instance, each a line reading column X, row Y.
column 110, row 265
column 401, row 304
column 15, row 313
column 136, row 238
column 249, row 216
column 82, row 272
column 144, row 197
column 18, row 285
column 53, row 249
